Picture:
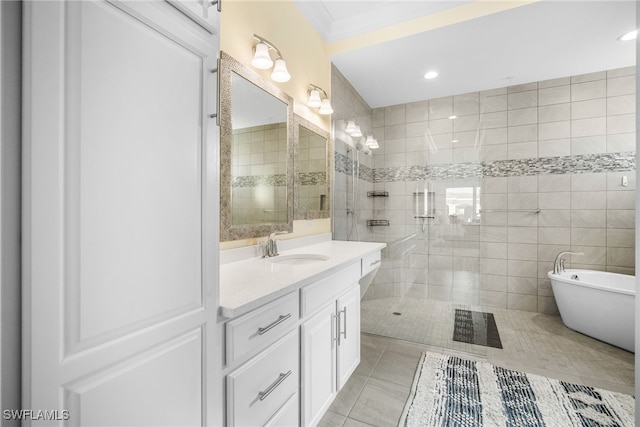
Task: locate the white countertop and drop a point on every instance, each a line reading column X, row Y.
column 253, row 282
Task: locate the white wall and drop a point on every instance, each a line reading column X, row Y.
column 10, row 93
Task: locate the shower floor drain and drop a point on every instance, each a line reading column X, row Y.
column 395, row 313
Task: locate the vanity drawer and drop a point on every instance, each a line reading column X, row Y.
column 288, row 415
column 371, row 262
column 259, row 328
column 260, row 387
column 317, row 295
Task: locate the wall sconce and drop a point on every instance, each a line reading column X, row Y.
column 316, row 100
column 371, row 142
column 262, row 60
column 353, row 129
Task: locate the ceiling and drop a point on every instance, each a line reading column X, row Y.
column 384, row 48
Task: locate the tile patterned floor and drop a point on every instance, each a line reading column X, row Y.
column 537, row 343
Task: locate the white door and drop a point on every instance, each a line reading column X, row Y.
column 120, row 215
column 318, row 364
column 349, row 335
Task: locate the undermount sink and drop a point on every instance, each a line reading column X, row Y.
column 299, row 259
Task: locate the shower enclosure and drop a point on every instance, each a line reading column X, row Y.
column 418, row 219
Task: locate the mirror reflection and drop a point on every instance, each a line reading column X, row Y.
column 258, row 155
column 312, row 189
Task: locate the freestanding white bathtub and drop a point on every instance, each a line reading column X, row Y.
column 598, row 304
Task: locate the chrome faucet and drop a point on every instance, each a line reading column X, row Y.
column 271, row 246
column 558, row 265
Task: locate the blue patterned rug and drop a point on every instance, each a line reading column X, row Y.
column 450, row 391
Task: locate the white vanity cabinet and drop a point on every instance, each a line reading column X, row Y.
column 330, row 340
column 264, row 390
column 288, row 357
column 264, row 385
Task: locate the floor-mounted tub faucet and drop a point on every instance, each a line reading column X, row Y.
column 558, row 265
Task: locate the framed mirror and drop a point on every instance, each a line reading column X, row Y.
column 312, row 182
column 256, row 154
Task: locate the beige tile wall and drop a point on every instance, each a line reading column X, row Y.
column 259, row 151
column 502, row 259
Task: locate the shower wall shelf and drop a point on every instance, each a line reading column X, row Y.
column 377, row 222
column 377, row 194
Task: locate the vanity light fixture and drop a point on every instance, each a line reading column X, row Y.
column 314, row 98
column 318, row 98
column 371, row 142
column 262, row 60
column 353, row 129
column 325, row 108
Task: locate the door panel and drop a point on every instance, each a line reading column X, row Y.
column 120, row 214
column 132, row 186
column 169, row 374
column 349, row 342
column 319, row 364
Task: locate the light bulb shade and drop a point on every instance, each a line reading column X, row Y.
column 369, row 141
column 280, row 73
column 261, row 58
column 357, row 133
column 314, row 99
column 351, row 126
column 373, row 145
column 325, row 108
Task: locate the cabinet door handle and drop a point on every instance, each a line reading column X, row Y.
column 216, row 115
column 374, row 263
column 334, row 335
column 338, row 328
column 344, row 310
column 273, row 324
column 263, row 394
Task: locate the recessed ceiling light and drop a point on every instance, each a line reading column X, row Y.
column 454, row 140
column 631, row 35
column 431, row 75
column 453, row 117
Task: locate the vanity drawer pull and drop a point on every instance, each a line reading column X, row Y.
column 275, row 323
column 371, row 262
column 263, row 394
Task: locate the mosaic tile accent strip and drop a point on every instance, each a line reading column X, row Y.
column 367, row 173
column 312, row 178
column 279, row 180
column 343, row 164
column 587, row 163
column 476, row 327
